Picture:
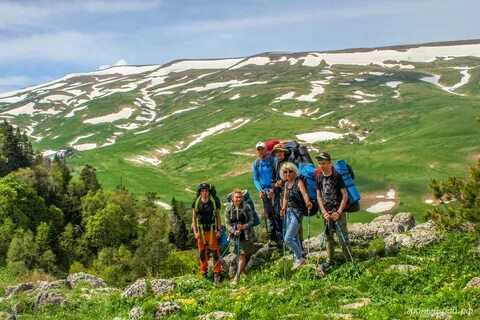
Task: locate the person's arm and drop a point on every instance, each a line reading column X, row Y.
column 344, row 202
column 256, row 177
column 228, row 221
column 321, row 205
column 218, row 219
column 304, row 193
column 194, row 223
column 284, row 201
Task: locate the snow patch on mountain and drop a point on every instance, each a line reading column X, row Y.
column 125, row 113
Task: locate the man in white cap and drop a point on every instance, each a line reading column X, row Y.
column 263, row 178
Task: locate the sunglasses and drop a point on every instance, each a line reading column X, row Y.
column 289, row 171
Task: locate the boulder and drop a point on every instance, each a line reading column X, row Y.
column 74, row 279
column 162, row 286
column 136, row 313
column 229, row 264
column 165, row 309
column 260, row 257
column 47, row 297
column 473, row 283
column 216, row 315
column 139, row 288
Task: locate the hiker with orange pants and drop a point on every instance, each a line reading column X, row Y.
column 206, row 226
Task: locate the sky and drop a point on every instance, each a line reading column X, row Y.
column 43, row 40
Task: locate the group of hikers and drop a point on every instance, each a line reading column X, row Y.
column 287, row 196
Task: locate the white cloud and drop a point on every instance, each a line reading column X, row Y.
column 63, row 46
column 31, row 13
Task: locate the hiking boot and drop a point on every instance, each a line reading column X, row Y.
column 300, row 262
column 216, row 278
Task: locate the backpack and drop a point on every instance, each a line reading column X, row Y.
column 346, row 172
column 248, row 200
column 342, row 168
column 307, row 174
column 270, row 144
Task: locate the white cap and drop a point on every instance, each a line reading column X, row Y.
column 260, row 144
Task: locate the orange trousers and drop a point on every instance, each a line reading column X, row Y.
column 206, row 244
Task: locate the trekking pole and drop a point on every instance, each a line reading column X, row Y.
column 308, row 234
column 345, row 244
column 284, row 230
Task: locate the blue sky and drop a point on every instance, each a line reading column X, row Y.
column 44, row 39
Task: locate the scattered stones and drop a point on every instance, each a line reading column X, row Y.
column 340, row 316
column 216, row 315
column 22, row 287
column 473, row 283
column 362, row 302
column 165, row 309
column 136, row 313
column 403, row 268
column 46, row 297
column 74, row 279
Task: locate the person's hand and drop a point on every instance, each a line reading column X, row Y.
column 335, row 216
column 279, row 184
column 197, row 235
column 326, row 216
column 237, row 232
column 282, row 212
column 242, row 226
column 261, row 194
column 309, row 205
column 270, row 194
column 219, row 233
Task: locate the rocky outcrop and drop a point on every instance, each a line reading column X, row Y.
column 139, row 288
column 74, row 279
column 420, row 236
column 381, row 227
column 473, row 283
column 165, row 309
column 136, row 313
column 259, row 258
column 22, row 287
column 47, row 297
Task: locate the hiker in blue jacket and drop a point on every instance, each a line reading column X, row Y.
column 263, row 178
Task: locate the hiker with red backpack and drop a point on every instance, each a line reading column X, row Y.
column 296, row 203
column 206, row 226
column 332, row 197
column 262, row 178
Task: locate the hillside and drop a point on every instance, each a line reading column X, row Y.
column 400, row 115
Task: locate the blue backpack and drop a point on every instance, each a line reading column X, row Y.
column 306, row 172
column 346, row 172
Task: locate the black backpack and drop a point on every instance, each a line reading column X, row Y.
column 297, row 153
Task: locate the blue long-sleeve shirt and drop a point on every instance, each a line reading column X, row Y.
column 263, row 173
